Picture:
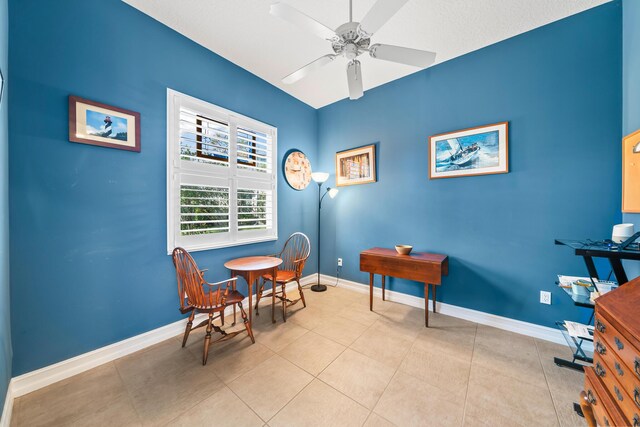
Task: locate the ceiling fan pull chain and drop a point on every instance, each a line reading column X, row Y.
column 350, row 10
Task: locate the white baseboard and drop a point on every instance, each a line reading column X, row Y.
column 7, row 409
column 518, row 326
column 31, row 381
column 34, row 380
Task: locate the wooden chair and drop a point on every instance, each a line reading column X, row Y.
column 198, row 296
column 294, row 255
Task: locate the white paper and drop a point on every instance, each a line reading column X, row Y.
column 579, row 330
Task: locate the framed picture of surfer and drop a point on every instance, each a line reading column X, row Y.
column 94, row 123
column 481, row 150
column 356, row 166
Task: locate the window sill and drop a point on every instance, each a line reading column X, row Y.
column 206, row 247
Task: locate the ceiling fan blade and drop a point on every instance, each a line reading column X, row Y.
column 294, row 16
column 354, row 78
column 403, row 55
column 379, row 14
column 308, row 69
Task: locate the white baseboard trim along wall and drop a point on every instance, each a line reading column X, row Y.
column 31, row 381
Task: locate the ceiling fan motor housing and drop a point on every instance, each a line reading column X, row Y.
column 348, row 41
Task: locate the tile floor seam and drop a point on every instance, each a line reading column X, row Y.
column 345, row 395
column 466, row 393
column 289, row 401
column 553, row 401
column 247, row 404
column 126, row 389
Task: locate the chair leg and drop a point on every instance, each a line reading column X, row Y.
column 259, row 295
column 304, row 304
column 188, row 328
column 207, row 340
column 284, row 302
column 273, row 301
column 247, row 325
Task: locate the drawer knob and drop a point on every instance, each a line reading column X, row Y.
column 618, row 394
column 619, row 343
column 636, row 420
column 600, row 348
column 600, row 370
column 600, row 326
column 636, row 366
column 619, row 369
column 590, row 398
column 636, row 396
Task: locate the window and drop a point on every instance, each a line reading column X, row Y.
column 221, row 176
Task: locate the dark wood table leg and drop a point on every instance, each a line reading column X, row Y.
column 250, row 285
column 370, row 291
column 383, row 277
column 426, row 305
column 234, row 305
column 433, row 291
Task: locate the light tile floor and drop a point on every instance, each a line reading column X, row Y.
column 334, row 363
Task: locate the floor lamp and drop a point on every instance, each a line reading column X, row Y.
column 320, row 178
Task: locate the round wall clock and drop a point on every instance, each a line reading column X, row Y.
column 297, row 170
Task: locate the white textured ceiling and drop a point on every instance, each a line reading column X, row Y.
column 244, row 32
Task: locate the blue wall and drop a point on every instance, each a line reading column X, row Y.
column 88, row 241
column 631, row 88
column 5, row 325
column 559, row 87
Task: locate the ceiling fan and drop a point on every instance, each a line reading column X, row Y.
column 352, row 40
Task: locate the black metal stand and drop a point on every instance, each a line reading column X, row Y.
column 319, row 288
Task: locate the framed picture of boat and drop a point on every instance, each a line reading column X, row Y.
column 356, row 166
column 481, row 150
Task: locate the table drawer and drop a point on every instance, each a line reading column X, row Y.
column 629, row 355
column 616, row 390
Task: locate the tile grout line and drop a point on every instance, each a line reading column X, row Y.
column 546, row 380
column 466, row 394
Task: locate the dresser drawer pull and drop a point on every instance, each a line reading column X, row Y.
column 590, row 398
column 600, row 370
column 606, row 421
column 636, row 396
column 600, row 326
column 600, row 348
column 636, row 366
column 619, row 369
column 618, row 394
column 636, row 420
column 619, row 343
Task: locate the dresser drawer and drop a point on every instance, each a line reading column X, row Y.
column 621, row 395
column 616, row 342
column 595, row 402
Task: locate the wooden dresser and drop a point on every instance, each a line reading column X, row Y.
column 611, row 395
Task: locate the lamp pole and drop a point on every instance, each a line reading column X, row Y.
column 319, row 287
column 320, row 178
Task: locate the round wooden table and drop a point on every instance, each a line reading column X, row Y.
column 252, row 268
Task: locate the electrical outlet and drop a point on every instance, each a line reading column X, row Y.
column 545, row 297
column 339, row 262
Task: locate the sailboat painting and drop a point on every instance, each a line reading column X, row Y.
column 477, row 151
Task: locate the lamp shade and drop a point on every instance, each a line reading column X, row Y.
column 320, row 177
column 333, row 192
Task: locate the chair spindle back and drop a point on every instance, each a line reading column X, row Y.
column 296, row 248
column 191, row 282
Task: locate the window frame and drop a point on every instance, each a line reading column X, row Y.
column 228, row 175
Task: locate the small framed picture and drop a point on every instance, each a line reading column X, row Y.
column 356, row 166
column 477, row 151
column 99, row 124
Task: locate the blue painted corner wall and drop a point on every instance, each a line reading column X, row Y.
column 88, row 223
column 559, row 86
column 631, row 88
column 5, row 321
